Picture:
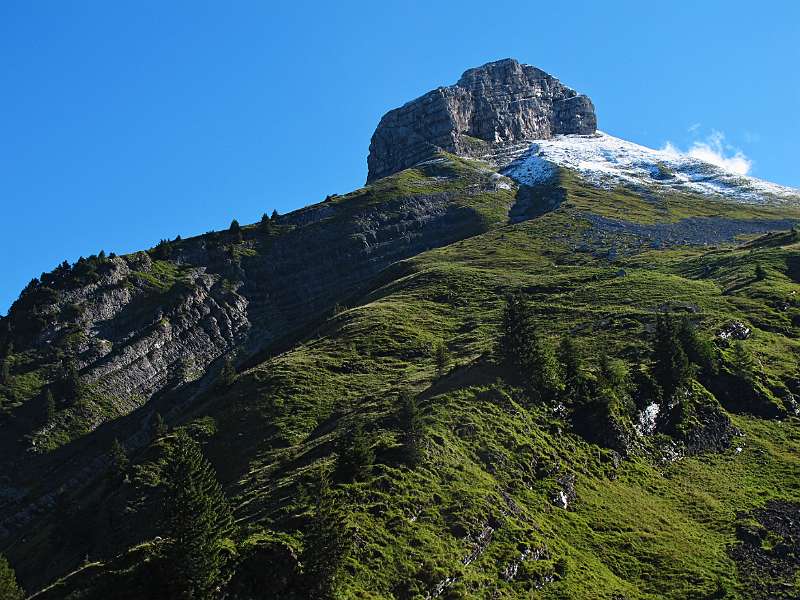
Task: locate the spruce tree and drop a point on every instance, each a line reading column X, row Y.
column 275, row 215
column 5, row 371
column 119, row 460
column 327, row 545
column 612, row 373
column 160, row 428
column 228, row 374
column 5, row 364
column 49, row 406
column 411, row 427
column 571, row 366
column 236, row 231
column 670, row 364
column 515, row 333
column 528, row 355
column 442, row 356
column 197, row 519
column 543, row 376
column 699, row 348
column 354, row 455
column 9, row 588
column 743, row 363
column 266, row 224
column 71, row 386
column 163, row 250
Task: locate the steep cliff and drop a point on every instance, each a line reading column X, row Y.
column 491, row 107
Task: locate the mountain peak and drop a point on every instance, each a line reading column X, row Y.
column 493, row 106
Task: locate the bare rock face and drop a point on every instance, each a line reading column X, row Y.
column 491, row 107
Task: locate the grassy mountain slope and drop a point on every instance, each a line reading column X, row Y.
column 482, row 515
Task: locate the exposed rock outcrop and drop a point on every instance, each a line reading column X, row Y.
column 767, row 556
column 146, row 332
column 491, row 107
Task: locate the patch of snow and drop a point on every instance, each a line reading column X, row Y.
column 647, row 419
column 607, row 162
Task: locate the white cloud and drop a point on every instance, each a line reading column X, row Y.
column 694, row 127
column 716, row 151
column 671, row 149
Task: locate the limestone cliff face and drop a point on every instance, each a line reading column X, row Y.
column 126, row 336
column 147, row 332
column 142, row 325
column 492, row 106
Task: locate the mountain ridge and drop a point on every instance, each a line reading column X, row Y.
column 272, row 343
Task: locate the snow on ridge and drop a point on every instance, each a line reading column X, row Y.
column 607, row 162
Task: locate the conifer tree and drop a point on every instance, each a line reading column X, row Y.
column 228, row 374
column 760, row 272
column 49, row 406
column 412, row 429
column 515, row 332
column 612, row 374
column 266, row 224
column 236, row 230
column 744, row 364
column 197, row 519
column 670, row 363
column 543, row 376
column 571, row 365
column 530, row 356
column 5, row 371
column 160, row 428
column 442, row 357
column 354, row 455
column 9, row 588
column 119, row 459
column 327, row 545
column 275, row 215
column 163, row 250
column 699, row 349
column 71, row 386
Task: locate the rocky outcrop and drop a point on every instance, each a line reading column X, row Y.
column 491, row 107
column 130, row 330
column 146, row 331
column 767, row 555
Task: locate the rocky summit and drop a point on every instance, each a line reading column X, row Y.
column 527, row 360
column 491, row 107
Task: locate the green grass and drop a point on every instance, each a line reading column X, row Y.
column 161, row 277
column 639, row 528
column 642, row 530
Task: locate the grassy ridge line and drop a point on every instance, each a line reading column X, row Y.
column 640, row 529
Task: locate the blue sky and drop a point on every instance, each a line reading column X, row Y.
column 122, row 123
